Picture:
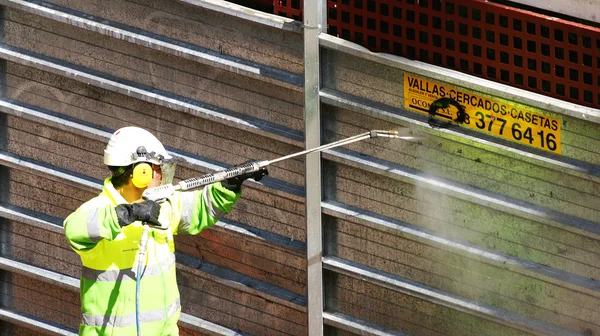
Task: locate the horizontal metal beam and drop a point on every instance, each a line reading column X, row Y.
column 11, row 160
column 223, row 275
column 492, row 257
column 388, row 113
column 70, row 283
column 207, row 328
column 248, row 14
column 71, row 125
column 457, row 78
column 583, row 9
column 33, row 324
column 356, row 326
column 46, row 171
column 38, row 273
column 466, row 192
column 159, row 43
column 151, row 95
column 442, row 298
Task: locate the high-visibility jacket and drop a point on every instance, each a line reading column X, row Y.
column 109, row 258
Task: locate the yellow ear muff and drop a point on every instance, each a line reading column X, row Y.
column 142, row 175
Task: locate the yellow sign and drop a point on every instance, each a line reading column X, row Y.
column 483, row 114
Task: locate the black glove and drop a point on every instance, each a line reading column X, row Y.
column 146, row 211
column 235, row 183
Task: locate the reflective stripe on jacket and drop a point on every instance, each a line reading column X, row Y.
column 109, row 258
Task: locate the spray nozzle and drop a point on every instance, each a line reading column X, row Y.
column 405, row 135
column 384, row 134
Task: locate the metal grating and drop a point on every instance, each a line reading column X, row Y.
column 535, row 52
column 288, row 8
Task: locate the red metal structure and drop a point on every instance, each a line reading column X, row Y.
column 535, row 52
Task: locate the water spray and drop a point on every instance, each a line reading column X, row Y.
column 164, row 191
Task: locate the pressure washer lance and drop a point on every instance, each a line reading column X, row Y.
column 164, row 191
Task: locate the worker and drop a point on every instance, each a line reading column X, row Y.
column 105, row 231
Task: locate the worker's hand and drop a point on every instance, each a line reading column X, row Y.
column 146, row 211
column 235, row 183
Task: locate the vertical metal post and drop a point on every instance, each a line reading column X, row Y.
column 315, row 21
column 5, row 276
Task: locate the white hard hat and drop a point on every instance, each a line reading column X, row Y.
column 129, row 145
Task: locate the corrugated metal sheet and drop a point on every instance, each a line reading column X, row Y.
column 461, row 233
column 70, row 78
